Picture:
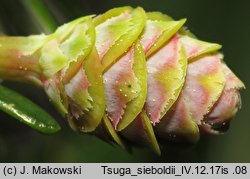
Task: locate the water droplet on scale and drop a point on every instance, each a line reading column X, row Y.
column 41, row 125
column 133, row 91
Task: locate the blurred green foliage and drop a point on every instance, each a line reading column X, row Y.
column 225, row 22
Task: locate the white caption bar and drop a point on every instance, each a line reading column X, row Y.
column 124, row 170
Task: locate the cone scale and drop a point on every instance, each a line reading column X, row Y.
column 128, row 74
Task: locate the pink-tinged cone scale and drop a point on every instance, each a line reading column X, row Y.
column 120, row 86
column 77, row 91
column 163, row 82
column 217, row 120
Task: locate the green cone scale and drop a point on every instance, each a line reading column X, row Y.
column 128, row 74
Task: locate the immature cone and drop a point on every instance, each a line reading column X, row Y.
column 129, row 73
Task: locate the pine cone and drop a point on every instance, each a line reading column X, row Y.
column 128, row 73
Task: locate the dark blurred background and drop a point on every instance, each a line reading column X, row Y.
column 226, row 22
